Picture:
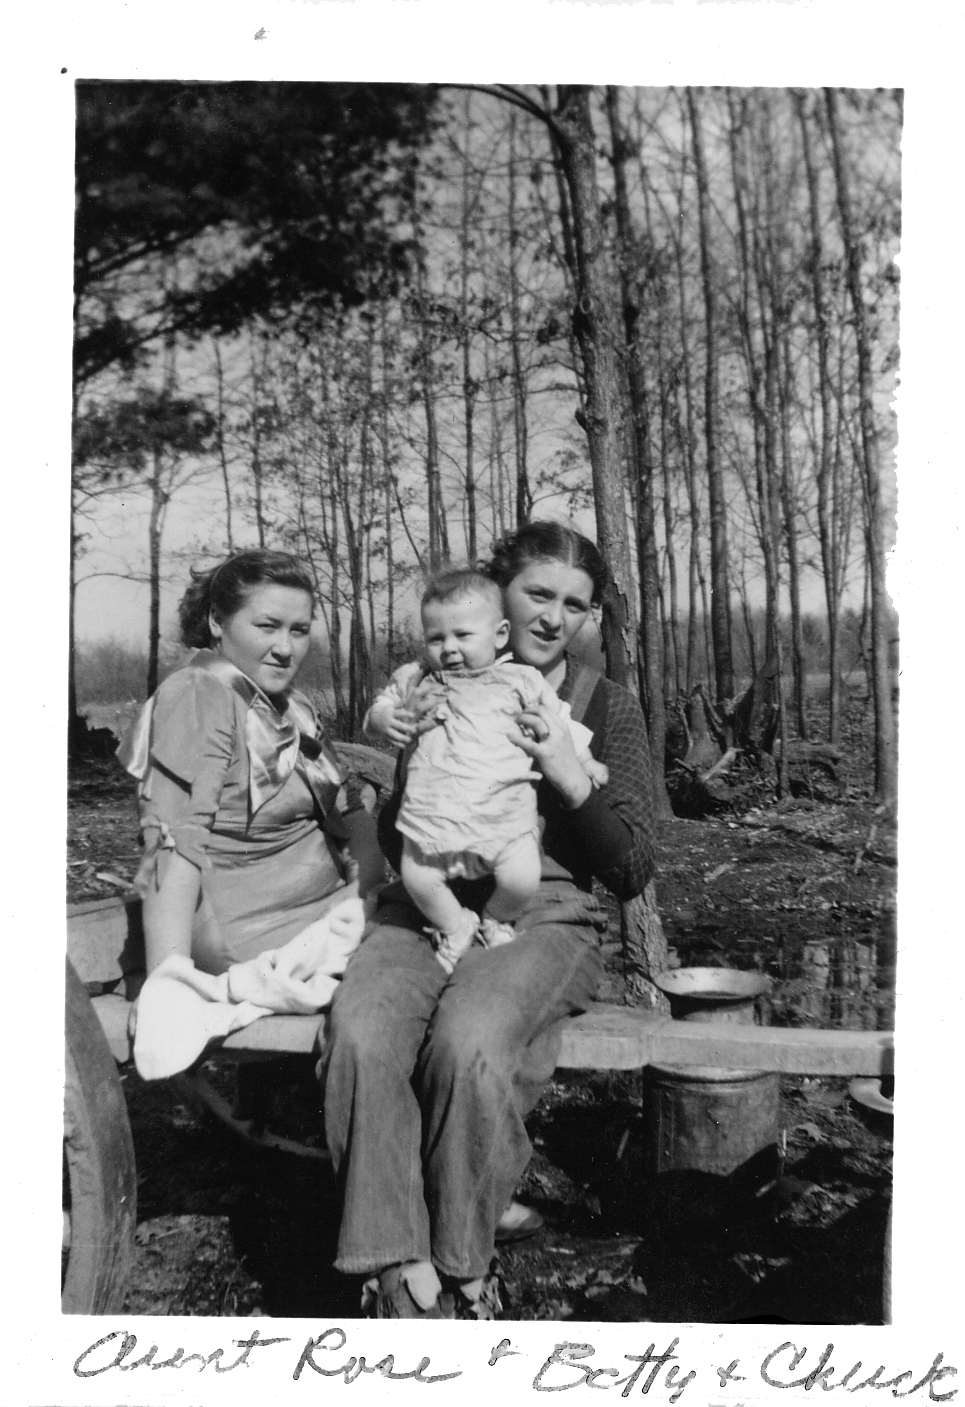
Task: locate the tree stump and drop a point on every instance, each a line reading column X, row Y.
column 644, row 950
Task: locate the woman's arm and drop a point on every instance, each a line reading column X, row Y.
column 364, row 849
column 168, row 911
column 615, row 828
column 194, row 731
column 610, row 831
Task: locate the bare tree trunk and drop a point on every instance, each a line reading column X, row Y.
column 370, row 603
column 636, row 280
column 438, row 531
column 160, row 495
column 568, row 265
column 342, row 713
column 75, row 724
column 220, row 443
column 595, row 332
column 389, row 575
column 652, row 671
column 789, row 503
column 759, row 405
column 763, row 406
column 358, row 660
column 357, row 526
column 155, row 524
column 694, row 573
column 711, row 667
column 387, row 478
column 886, row 761
column 256, row 467
column 524, row 496
column 497, row 465
column 329, row 509
column 748, row 619
column 767, row 279
column 845, row 485
column 672, row 656
column 720, row 587
column 470, row 387
column 826, row 530
column 689, row 438
column 644, row 949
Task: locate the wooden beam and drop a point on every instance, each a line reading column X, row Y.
column 800, row 1051
column 609, row 1038
column 105, row 941
column 113, row 1012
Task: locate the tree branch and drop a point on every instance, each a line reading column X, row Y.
column 509, row 94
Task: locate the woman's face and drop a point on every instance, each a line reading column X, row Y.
column 267, row 638
column 546, row 603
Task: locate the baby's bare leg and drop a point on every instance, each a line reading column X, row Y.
column 517, row 875
column 428, row 889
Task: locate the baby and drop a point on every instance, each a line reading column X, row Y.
column 469, row 805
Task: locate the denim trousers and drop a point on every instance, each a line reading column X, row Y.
column 428, row 1077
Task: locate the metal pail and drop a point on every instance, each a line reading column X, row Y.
column 711, row 1138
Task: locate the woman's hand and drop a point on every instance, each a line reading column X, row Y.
column 545, row 737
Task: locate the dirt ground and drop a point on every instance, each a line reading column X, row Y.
column 803, row 891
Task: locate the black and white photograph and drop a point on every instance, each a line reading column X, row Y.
column 592, row 381
column 378, row 398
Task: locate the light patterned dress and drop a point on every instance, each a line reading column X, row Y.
column 246, row 794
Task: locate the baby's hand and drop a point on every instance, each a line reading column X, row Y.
column 400, row 727
column 391, row 721
column 427, row 706
column 598, row 772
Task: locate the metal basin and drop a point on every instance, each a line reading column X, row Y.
column 713, row 993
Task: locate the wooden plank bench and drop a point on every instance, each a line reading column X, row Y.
column 106, row 954
column 105, row 945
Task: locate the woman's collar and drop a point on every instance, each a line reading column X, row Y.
column 217, row 664
column 564, row 678
column 567, row 670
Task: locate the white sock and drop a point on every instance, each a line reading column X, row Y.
column 422, row 1282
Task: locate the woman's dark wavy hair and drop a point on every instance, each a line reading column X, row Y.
column 223, row 590
column 545, row 541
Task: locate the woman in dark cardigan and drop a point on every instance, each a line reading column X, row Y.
column 428, row 1077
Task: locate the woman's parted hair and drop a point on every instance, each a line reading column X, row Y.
column 224, row 589
column 545, row 541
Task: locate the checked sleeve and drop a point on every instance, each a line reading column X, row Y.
column 611, row 836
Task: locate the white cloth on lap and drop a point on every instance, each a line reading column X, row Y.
column 181, row 1010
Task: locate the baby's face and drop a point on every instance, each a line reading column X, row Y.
column 466, row 633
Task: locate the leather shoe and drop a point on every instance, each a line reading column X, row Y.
column 518, row 1223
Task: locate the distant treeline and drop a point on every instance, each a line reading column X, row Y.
column 111, row 671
